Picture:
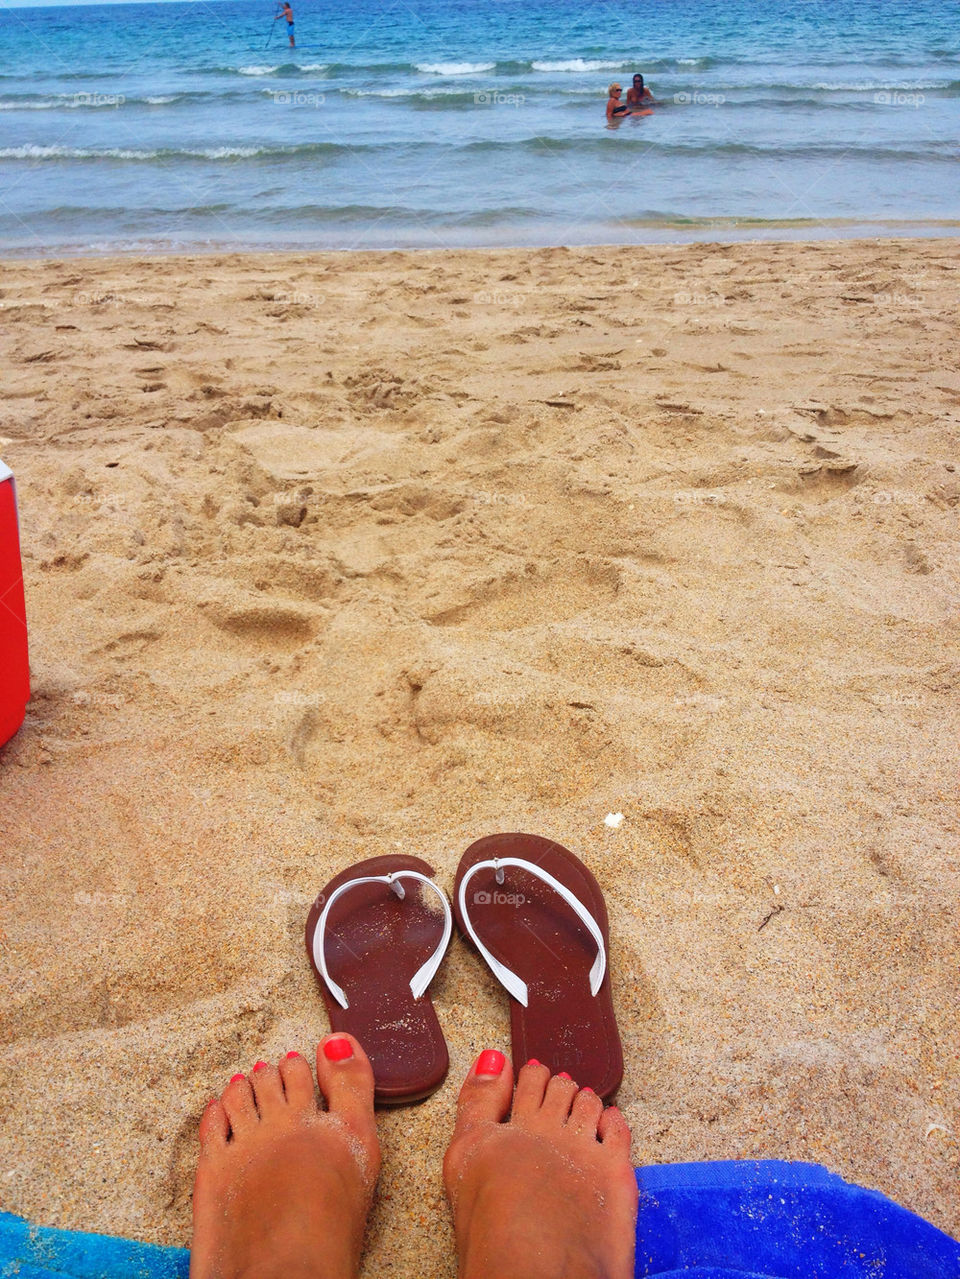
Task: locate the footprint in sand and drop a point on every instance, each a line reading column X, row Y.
column 270, row 622
column 534, row 597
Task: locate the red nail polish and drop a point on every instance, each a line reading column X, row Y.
column 289, row 1055
column 234, row 1078
column 260, row 1065
column 490, row 1062
column 586, row 1088
column 563, row 1075
column 533, row 1062
column 337, row 1049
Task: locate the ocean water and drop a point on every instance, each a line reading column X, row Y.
column 441, row 123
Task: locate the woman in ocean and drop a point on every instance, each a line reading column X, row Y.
column 638, row 95
column 615, row 107
column 538, row 1173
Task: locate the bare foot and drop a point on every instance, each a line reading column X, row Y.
column 549, row 1192
column 283, row 1188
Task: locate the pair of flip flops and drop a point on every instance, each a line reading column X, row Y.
column 378, row 932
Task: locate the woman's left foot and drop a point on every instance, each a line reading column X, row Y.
column 547, row 1192
column 283, row 1188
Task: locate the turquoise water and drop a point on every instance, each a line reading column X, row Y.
column 440, row 123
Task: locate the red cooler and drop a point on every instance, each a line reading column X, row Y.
column 14, row 671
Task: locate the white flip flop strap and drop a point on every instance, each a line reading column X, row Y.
column 514, row 984
column 425, row 973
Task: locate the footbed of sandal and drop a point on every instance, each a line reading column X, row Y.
column 541, row 926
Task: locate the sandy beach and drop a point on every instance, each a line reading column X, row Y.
column 336, row 555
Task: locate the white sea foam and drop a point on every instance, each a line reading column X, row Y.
column 30, row 151
column 225, row 153
column 576, row 64
column 454, row 68
column 371, row 93
column 162, row 99
column 257, row 70
column 871, row 86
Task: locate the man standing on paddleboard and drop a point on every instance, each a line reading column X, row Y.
column 287, row 12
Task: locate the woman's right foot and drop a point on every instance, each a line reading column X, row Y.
column 549, row 1192
column 283, row 1188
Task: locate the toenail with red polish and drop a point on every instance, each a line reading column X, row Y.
column 289, row 1055
column 337, row 1049
column 260, row 1065
column 586, row 1088
column 533, row 1062
column 490, row 1062
column 234, row 1078
column 563, row 1075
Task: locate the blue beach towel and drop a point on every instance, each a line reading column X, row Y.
column 764, row 1220
column 38, row 1252
column 773, row 1220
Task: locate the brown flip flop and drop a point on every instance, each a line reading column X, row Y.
column 375, row 938
column 538, row 918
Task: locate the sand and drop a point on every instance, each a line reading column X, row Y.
column 330, row 556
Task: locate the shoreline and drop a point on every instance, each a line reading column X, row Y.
column 730, row 231
column 333, row 554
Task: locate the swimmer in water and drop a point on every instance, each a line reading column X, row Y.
column 638, row 95
column 615, row 107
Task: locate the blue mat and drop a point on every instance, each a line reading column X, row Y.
column 765, row 1220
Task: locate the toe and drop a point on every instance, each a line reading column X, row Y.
column 558, row 1098
column 486, row 1091
column 297, row 1082
column 238, row 1103
column 531, row 1084
column 267, row 1089
column 614, row 1131
column 345, row 1077
column 585, row 1113
column 214, row 1126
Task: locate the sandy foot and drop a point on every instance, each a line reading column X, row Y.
column 550, row 1191
column 283, row 1188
